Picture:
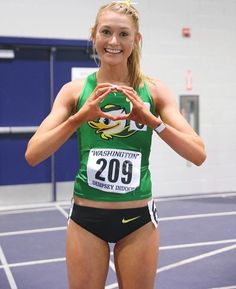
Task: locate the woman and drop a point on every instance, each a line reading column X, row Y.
column 114, row 112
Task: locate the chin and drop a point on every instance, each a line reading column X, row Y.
column 113, row 59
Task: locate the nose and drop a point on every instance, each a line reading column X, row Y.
column 113, row 39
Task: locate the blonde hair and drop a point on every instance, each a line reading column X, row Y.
column 136, row 76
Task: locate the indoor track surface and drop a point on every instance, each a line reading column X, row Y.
column 198, row 244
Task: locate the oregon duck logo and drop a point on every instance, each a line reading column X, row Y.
column 109, row 128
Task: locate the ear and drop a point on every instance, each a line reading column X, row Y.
column 92, row 36
column 138, row 38
column 93, row 41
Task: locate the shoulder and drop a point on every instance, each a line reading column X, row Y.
column 74, row 86
column 157, row 88
column 71, row 90
column 160, row 93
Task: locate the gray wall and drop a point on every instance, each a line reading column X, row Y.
column 210, row 53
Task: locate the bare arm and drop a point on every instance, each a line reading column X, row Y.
column 60, row 124
column 178, row 133
column 55, row 129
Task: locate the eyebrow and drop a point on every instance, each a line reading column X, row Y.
column 109, row 27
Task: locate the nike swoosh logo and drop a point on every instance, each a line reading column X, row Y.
column 125, row 221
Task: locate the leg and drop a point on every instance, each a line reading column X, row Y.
column 87, row 258
column 136, row 258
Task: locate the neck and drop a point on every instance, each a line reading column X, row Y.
column 113, row 75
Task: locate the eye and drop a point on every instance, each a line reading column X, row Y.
column 106, row 121
column 105, row 32
column 124, row 34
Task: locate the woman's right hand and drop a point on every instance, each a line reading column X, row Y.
column 91, row 110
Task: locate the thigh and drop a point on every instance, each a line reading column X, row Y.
column 87, row 258
column 136, row 258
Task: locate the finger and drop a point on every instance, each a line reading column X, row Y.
column 104, row 84
column 101, row 91
column 108, row 115
column 122, row 116
column 100, row 97
column 102, row 87
column 132, row 96
column 127, row 88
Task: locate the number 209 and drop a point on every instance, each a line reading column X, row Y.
column 116, row 170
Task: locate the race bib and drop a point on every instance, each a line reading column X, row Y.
column 113, row 170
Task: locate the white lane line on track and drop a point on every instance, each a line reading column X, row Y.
column 195, row 216
column 48, row 205
column 37, row 262
column 63, row 211
column 25, row 208
column 33, row 210
column 221, row 214
column 34, row 231
column 228, row 287
column 200, row 244
column 7, row 270
column 196, row 196
column 196, row 258
column 112, row 263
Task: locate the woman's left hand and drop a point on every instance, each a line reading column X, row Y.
column 139, row 113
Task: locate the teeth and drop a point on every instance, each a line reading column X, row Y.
column 114, row 51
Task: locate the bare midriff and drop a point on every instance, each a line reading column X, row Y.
column 111, row 205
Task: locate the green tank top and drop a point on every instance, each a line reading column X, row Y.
column 114, row 155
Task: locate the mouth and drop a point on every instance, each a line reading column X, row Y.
column 113, row 51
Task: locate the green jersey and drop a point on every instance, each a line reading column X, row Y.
column 114, row 155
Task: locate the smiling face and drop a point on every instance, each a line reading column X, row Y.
column 114, row 37
column 117, row 40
